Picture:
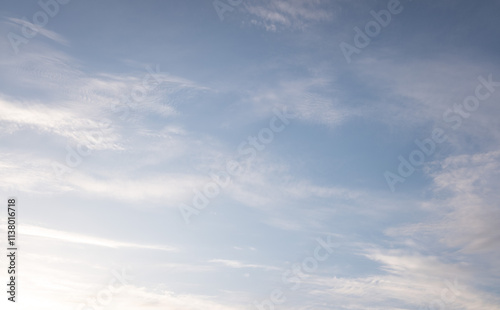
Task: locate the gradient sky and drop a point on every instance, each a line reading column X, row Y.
column 117, row 116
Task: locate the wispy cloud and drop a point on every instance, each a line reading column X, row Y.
column 12, row 21
column 60, row 121
column 297, row 14
column 300, row 99
column 408, row 280
column 239, row 264
column 467, row 185
column 42, row 232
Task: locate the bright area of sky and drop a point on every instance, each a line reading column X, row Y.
column 252, row 154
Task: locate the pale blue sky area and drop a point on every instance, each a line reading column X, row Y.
column 252, row 154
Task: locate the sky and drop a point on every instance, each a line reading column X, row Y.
column 243, row 154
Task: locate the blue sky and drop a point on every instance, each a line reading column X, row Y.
column 236, row 155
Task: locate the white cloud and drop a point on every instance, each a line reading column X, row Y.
column 466, row 186
column 300, row 99
column 239, row 264
column 40, row 30
column 409, row 280
column 134, row 297
column 165, row 189
column 42, row 232
column 60, row 121
column 297, row 14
